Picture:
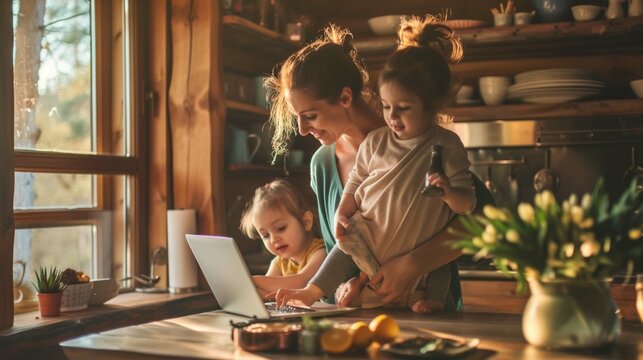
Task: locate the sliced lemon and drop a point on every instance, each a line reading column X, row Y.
column 362, row 335
column 384, row 328
column 335, row 340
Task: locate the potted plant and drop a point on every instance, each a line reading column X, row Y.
column 49, row 287
column 566, row 253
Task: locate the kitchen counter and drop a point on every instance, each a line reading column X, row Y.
column 207, row 336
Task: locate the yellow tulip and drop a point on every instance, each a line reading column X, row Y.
column 512, row 236
column 526, row 213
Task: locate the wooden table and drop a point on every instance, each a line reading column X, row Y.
column 207, row 336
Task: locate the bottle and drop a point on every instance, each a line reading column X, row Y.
column 435, row 166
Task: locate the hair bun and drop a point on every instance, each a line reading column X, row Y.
column 430, row 32
column 347, row 42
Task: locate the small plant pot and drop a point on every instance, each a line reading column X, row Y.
column 49, row 304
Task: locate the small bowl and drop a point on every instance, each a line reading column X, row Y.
column 464, row 93
column 103, row 290
column 637, row 87
column 493, row 89
column 385, row 25
column 585, row 12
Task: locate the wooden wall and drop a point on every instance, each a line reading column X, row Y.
column 7, row 228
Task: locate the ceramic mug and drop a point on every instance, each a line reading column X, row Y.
column 238, row 150
column 18, row 294
column 523, row 17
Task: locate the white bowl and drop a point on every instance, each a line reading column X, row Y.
column 493, row 89
column 464, row 93
column 585, row 12
column 637, row 87
column 385, row 25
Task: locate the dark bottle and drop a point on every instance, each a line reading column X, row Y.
column 435, row 166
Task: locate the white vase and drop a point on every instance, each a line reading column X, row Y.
column 570, row 314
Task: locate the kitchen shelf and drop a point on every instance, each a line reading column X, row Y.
column 544, row 111
column 251, row 48
column 267, row 168
column 254, row 167
column 248, row 112
column 547, row 39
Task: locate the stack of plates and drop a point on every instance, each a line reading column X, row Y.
column 551, row 86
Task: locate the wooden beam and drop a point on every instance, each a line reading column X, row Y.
column 6, row 165
column 197, row 110
column 159, row 154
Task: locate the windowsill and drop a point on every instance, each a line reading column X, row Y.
column 30, row 331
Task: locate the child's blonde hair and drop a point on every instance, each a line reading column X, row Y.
column 278, row 194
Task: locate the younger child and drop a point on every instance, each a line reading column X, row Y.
column 278, row 215
column 383, row 213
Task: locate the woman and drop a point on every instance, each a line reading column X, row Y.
column 321, row 90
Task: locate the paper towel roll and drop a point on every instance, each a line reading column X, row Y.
column 182, row 267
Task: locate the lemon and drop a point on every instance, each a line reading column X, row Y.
column 362, row 335
column 384, row 328
column 335, row 340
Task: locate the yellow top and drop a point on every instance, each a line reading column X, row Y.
column 290, row 266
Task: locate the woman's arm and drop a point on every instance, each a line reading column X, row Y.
column 421, row 260
column 270, row 283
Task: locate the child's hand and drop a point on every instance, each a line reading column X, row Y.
column 442, row 181
column 350, row 290
column 307, row 295
column 342, row 226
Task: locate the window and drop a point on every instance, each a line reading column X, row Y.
column 77, row 159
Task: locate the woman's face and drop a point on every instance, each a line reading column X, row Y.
column 322, row 119
column 403, row 111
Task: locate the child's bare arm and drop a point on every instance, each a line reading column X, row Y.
column 346, row 209
column 459, row 199
column 271, row 283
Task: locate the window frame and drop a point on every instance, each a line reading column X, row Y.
column 133, row 164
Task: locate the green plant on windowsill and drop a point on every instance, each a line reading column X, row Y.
column 49, row 280
column 48, row 283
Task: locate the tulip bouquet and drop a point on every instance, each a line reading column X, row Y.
column 583, row 239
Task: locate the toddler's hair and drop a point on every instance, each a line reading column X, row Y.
column 421, row 62
column 324, row 67
column 278, row 194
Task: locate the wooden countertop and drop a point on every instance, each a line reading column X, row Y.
column 207, row 335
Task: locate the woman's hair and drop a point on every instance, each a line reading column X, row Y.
column 275, row 195
column 323, row 67
column 421, row 62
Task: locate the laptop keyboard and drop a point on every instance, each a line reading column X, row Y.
column 285, row 309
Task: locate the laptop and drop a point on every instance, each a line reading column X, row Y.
column 227, row 274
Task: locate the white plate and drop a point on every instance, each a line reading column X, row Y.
column 554, row 97
column 553, row 91
column 554, row 74
column 553, row 84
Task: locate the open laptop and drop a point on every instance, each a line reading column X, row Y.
column 230, row 281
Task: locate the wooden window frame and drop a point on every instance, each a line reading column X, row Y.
column 133, row 164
